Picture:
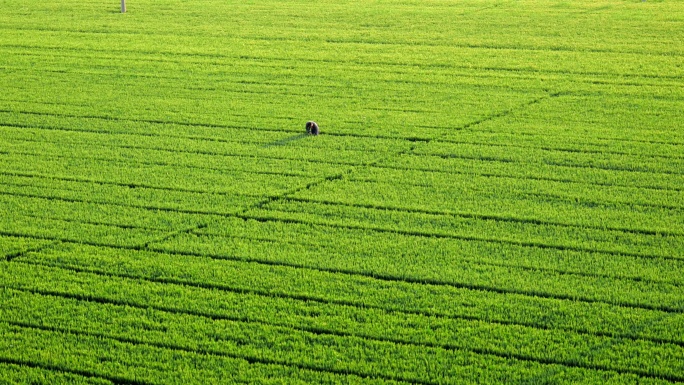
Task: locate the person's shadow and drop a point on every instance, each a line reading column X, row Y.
column 287, row 140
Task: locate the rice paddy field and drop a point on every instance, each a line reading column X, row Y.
column 496, row 196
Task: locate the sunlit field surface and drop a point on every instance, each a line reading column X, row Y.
column 496, row 196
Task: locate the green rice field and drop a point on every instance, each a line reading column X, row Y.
column 496, row 196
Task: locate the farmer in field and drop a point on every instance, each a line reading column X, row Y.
column 312, row 128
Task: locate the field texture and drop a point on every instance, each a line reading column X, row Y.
column 497, row 195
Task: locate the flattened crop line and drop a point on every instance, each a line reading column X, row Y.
column 299, row 298
column 610, row 168
column 226, row 86
column 110, row 118
column 193, row 137
column 451, row 172
column 502, row 175
column 251, row 359
column 163, row 164
column 428, row 281
column 556, row 149
column 294, row 297
column 151, row 208
column 346, row 334
column 542, row 377
column 390, row 167
column 556, row 164
column 382, row 277
column 501, row 114
column 111, row 183
column 427, row 234
column 559, row 197
column 424, row 234
column 18, row 254
column 171, row 235
column 86, row 222
column 440, row 139
column 479, row 263
column 427, row 43
column 83, row 373
column 486, row 217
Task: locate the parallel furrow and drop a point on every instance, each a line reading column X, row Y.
column 248, row 358
column 415, row 233
column 383, row 277
column 321, row 331
column 58, row 368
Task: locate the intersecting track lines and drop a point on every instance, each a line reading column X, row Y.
column 501, row 114
column 317, row 330
column 388, row 278
column 377, row 229
column 252, row 359
column 18, row 254
column 545, row 376
column 83, row 373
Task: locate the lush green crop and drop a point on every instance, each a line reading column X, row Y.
column 497, row 195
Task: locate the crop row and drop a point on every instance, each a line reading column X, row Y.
column 477, row 200
column 345, row 81
column 11, row 247
column 362, row 86
column 575, row 204
column 492, row 186
column 365, row 291
column 169, row 93
column 291, row 153
column 115, row 215
column 14, row 372
column 64, row 204
column 588, row 251
column 216, row 181
column 130, row 195
column 363, row 341
column 513, row 116
column 388, row 232
column 495, row 277
column 441, row 267
column 553, row 61
column 431, row 171
column 466, row 158
column 413, row 23
column 169, row 101
column 92, row 143
column 134, row 207
column 600, row 160
column 129, row 361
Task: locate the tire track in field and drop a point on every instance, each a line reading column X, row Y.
column 346, row 334
column 541, row 378
column 365, row 63
column 504, row 113
column 473, row 262
column 18, row 254
column 304, row 298
column 83, row 373
column 303, row 174
column 380, row 166
column 439, row 139
column 193, row 230
column 375, row 275
column 350, row 164
column 252, row 359
column 379, row 229
column 341, row 163
column 426, row 42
